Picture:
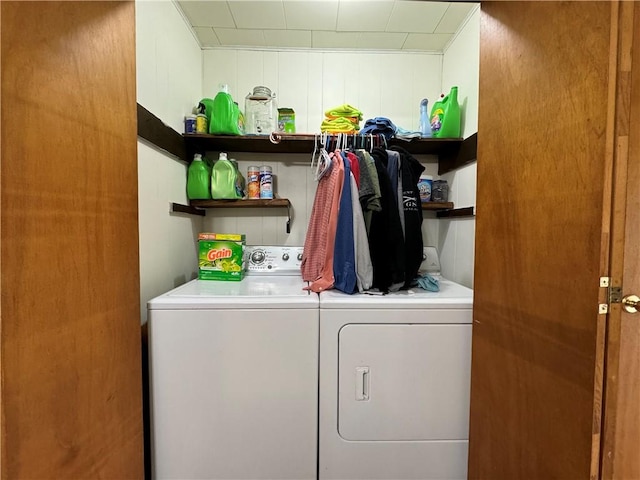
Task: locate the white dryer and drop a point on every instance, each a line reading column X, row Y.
column 394, row 383
column 233, row 374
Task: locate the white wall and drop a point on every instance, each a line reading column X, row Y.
column 169, row 75
column 379, row 84
column 460, row 67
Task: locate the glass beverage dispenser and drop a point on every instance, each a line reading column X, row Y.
column 260, row 112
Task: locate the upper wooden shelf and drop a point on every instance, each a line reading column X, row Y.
column 452, row 153
column 303, row 143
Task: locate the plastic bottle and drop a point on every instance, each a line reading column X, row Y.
column 240, row 182
column 223, row 179
column 198, row 180
column 266, row 182
column 425, row 123
column 436, row 116
column 226, row 118
column 450, row 116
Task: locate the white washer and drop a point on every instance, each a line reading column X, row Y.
column 234, row 374
column 394, row 383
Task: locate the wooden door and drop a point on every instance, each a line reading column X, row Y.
column 547, row 131
column 621, row 441
column 70, row 341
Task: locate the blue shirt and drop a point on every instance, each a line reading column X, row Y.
column 344, row 257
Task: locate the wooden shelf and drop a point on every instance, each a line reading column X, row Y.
column 452, row 153
column 456, row 213
column 304, row 143
column 437, row 206
column 242, row 203
column 247, row 203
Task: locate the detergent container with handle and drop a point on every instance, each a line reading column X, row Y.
column 446, row 116
column 198, row 180
column 226, row 118
column 224, row 177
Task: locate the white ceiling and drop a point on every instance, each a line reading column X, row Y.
column 326, row 24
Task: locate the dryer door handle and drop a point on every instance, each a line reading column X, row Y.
column 362, row 383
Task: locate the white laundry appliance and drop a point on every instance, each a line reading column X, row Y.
column 234, row 374
column 395, row 382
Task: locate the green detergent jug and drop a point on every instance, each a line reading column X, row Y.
column 226, row 118
column 446, row 116
column 224, row 176
column 198, row 180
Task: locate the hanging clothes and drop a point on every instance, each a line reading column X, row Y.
column 386, row 241
column 317, row 257
column 410, row 170
column 369, row 187
column 344, row 261
column 365, row 234
column 364, row 267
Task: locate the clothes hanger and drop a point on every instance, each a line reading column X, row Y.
column 315, row 149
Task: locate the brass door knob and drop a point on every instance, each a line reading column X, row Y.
column 631, row 303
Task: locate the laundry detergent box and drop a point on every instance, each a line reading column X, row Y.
column 220, row 256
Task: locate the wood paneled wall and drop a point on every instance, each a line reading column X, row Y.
column 70, row 332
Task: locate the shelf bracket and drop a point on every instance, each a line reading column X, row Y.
column 179, row 208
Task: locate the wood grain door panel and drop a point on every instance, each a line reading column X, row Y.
column 542, row 158
column 620, row 458
column 71, row 375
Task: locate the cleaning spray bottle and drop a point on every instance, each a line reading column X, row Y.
column 425, row 124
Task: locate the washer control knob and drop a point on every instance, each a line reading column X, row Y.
column 299, row 257
column 257, row 257
column 285, row 256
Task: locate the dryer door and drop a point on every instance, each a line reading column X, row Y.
column 404, row 382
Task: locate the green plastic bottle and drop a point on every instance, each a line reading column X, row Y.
column 448, row 113
column 436, row 116
column 224, row 177
column 198, row 180
column 226, row 118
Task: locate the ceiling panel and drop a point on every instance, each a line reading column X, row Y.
column 453, row 18
column 347, row 40
column 416, row 17
column 380, row 40
column 363, row 16
column 258, row 15
column 208, row 14
column 232, row 37
column 207, row 36
column 334, row 24
column 423, row 41
column 312, row 15
column 288, row 38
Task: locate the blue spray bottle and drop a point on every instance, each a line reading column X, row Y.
column 425, row 124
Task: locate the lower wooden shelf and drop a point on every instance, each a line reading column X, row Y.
column 242, row 203
column 246, row 203
column 437, row 206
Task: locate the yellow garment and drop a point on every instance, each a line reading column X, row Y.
column 339, row 125
column 345, row 110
